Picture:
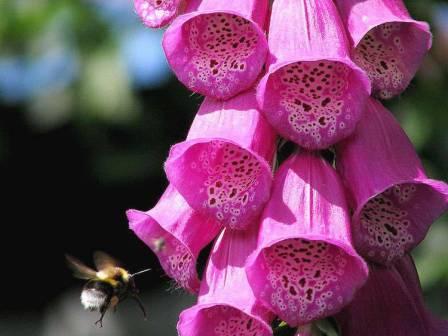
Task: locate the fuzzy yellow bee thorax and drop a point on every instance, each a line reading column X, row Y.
column 113, row 275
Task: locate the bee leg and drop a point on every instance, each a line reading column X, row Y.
column 114, row 303
column 103, row 310
column 100, row 321
column 140, row 304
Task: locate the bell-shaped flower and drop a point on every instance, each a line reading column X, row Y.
column 158, row 13
column 434, row 325
column 218, row 47
column 176, row 234
column 313, row 94
column 394, row 202
column 223, row 168
column 226, row 305
column 390, row 303
column 305, row 267
column 388, row 44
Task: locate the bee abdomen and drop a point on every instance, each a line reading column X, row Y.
column 96, row 294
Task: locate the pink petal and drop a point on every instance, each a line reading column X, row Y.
column 305, row 267
column 158, row 13
column 395, row 203
column 438, row 327
column 176, row 234
column 219, row 48
column 408, row 272
column 222, row 169
column 226, row 304
column 382, row 307
column 313, row 94
column 390, row 45
column 390, row 303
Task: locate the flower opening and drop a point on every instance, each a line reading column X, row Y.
column 389, row 44
column 305, row 267
column 313, row 94
column 222, row 169
column 176, row 234
column 395, row 203
column 217, row 51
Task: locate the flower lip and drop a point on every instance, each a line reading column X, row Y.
column 379, row 159
column 314, row 101
column 216, row 66
column 204, row 314
column 199, row 170
column 311, row 102
column 316, row 286
column 422, row 25
column 391, row 54
column 388, row 44
column 320, row 237
column 222, row 169
column 176, row 258
column 384, row 226
column 305, row 239
column 176, row 234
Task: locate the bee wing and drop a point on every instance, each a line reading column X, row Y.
column 80, row 270
column 103, row 261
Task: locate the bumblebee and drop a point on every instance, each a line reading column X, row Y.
column 106, row 287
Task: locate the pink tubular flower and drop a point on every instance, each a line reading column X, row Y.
column 395, row 203
column 222, row 168
column 218, row 48
column 313, row 94
column 389, row 44
column 305, row 267
column 390, row 303
column 227, row 305
column 407, row 270
column 176, row 234
column 158, row 13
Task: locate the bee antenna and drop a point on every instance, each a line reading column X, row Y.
column 137, row 273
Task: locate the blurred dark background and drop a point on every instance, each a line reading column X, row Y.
column 88, row 111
